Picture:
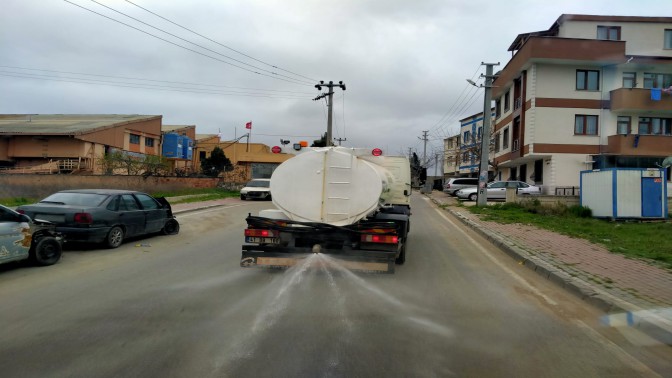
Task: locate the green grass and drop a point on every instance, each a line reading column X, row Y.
column 650, row 241
column 12, row 202
column 200, row 194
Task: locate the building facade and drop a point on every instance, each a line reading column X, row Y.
column 588, row 93
column 451, row 157
column 51, row 143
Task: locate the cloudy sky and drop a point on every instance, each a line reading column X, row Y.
column 404, row 62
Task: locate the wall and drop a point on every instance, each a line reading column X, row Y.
column 40, row 186
column 642, row 38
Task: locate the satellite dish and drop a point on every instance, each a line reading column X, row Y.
column 667, row 162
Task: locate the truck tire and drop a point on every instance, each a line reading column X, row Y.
column 47, row 251
column 402, row 255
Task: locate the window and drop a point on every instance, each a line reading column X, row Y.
column 611, row 33
column 623, row 125
column 657, row 80
column 480, row 131
column 465, row 157
column 201, row 155
column 668, row 39
column 128, row 203
column 505, row 141
column 497, row 142
column 655, row 126
column 587, row 80
column 149, row 142
column 498, row 108
column 507, row 101
column 148, row 203
column 585, row 125
column 629, row 79
column 467, row 136
column 134, row 139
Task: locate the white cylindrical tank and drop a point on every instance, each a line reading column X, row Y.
column 328, row 185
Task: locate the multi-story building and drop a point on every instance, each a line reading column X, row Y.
column 471, row 129
column 451, row 156
column 584, row 94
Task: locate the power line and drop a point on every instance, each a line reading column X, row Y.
column 293, row 81
column 151, row 80
column 143, row 86
column 225, row 46
column 193, row 43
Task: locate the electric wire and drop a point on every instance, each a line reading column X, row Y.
column 151, row 80
column 213, row 41
column 456, row 100
column 145, row 86
column 193, row 43
column 293, row 81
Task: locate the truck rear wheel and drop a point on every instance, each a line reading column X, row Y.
column 402, row 255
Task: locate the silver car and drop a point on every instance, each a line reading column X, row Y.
column 21, row 239
column 455, row 184
column 497, row 190
column 256, row 189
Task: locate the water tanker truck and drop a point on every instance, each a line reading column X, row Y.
column 351, row 204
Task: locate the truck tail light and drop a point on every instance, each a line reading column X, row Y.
column 385, row 239
column 83, row 218
column 255, row 232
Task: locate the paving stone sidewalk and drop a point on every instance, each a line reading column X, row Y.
column 610, row 281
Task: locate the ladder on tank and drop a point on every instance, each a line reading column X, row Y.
column 338, row 187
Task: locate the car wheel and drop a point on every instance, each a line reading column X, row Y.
column 172, row 227
column 47, row 251
column 402, row 255
column 473, row 197
column 115, row 237
column 242, row 197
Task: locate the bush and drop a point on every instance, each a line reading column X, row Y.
column 581, row 211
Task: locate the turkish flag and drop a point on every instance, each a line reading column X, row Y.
column 248, row 125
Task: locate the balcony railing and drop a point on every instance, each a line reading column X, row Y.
column 638, row 99
column 517, row 103
column 639, row 145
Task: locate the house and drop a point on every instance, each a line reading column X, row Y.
column 250, row 160
column 451, row 156
column 469, row 146
column 584, row 94
column 53, row 143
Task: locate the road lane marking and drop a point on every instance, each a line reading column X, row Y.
column 513, row 274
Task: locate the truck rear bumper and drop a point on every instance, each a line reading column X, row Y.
column 278, row 257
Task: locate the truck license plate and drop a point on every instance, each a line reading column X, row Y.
column 254, row 239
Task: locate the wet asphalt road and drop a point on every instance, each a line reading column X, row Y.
column 180, row 306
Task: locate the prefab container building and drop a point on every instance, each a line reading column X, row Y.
column 625, row 193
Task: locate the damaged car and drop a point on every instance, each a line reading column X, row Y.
column 22, row 238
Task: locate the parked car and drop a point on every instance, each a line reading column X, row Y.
column 22, row 238
column 104, row 215
column 455, row 184
column 497, row 190
column 256, row 189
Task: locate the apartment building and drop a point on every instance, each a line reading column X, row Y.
column 590, row 92
column 451, row 156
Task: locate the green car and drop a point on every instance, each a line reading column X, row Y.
column 22, row 238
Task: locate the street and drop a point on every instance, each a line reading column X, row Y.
column 178, row 306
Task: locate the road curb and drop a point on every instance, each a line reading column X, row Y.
column 184, row 211
column 646, row 321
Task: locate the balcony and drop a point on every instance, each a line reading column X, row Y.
column 638, row 99
column 639, row 145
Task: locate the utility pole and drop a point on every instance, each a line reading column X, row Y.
column 485, row 135
column 424, row 151
column 330, row 102
column 340, row 140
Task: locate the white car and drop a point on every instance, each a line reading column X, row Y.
column 497, row 190
column 256, row 189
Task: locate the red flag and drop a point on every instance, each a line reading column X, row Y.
column 248, row 125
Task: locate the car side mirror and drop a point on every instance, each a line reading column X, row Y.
column 24, row 218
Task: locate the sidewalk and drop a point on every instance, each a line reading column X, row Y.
column 609, row 281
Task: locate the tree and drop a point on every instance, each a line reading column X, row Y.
column 474, row 150
column 216, row 163
column 322, row 142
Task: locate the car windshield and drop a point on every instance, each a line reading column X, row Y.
column 80, row 199
column 258, row 184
